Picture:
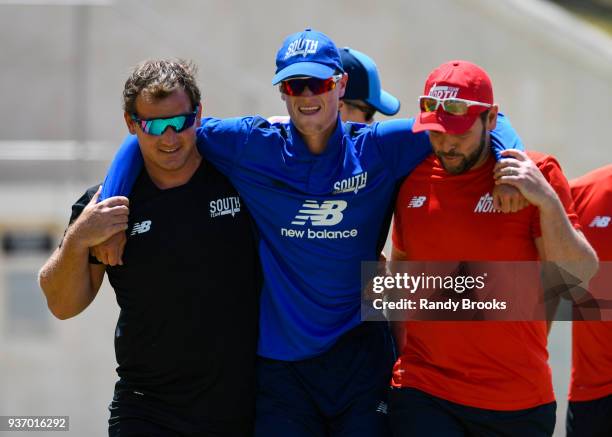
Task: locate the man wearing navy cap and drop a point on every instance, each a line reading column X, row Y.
column 321, row 194
column 364, row 95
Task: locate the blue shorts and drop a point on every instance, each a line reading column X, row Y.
column 341, row 393
column 416, row 413
column 589, row 418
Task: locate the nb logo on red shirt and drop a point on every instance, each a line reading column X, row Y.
column 600, row 221
column 417, row 202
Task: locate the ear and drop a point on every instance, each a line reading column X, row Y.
column 283, row 96
column 492, row 117
column 342, row 85
column 198, row 120
column 131, row 125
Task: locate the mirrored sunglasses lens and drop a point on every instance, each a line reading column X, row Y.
column 159, row 126
column 428, row 104
column 320, row 86
column 293, row 87
column 455, row 107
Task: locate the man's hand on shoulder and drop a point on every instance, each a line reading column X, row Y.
column 99, row 221
column 518, row 171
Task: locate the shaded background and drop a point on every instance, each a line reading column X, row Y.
column 63, row 65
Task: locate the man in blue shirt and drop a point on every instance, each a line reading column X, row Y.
column 321, row 194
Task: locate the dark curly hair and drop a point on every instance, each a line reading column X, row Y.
column 158, row 78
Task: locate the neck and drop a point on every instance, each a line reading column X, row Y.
column 317, row 143
column 484, row 155
column 165, row 179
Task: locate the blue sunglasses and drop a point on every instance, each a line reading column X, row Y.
column 157, row 126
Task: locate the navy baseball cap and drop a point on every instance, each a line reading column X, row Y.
column 364, row 83
column 308, row 53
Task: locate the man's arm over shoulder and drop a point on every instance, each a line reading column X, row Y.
column 124, row 170
column 218, row 141
column 68, row 279
column 504, row 137
column 401, row 148
column 405, row 149
column 222, row 141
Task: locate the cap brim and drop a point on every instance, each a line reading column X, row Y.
column 386, row 103
column 310, row 69
column 442, row 122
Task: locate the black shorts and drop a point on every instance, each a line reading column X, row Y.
column 416, row 413
column 131, row 416
column 589, row 418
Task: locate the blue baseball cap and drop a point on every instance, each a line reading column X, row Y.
column 364, row 82
column 308, row 53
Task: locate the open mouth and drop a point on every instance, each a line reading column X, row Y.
column 309, row 110
column 169, row 150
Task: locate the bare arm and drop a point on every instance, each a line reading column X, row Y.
column 560, row 241
column 68, row 280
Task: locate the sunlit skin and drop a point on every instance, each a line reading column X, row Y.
column 171, row 158
column 352, row 113
column 315, row 116
column 460, row 153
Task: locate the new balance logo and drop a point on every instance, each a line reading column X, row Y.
column 600, row 221
column 382, row 407
column 485, row 204
column 141, row 227
column 417, row 202
column 329, row 213
column 225, row 206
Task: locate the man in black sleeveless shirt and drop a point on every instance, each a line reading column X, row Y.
column 188, row 282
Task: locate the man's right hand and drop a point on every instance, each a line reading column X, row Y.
column 100, row 221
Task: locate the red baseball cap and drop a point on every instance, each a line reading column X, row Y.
column 458, row 79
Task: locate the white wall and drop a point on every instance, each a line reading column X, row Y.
column 63, row 68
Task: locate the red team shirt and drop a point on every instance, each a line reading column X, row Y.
column 490, row 365
column 592, row 341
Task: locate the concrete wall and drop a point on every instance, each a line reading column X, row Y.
column 63, row 66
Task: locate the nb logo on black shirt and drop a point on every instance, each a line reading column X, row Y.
column 141, row 227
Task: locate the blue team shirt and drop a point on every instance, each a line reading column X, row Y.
column 319, row 216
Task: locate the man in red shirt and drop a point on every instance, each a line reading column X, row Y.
column 589, row 411
column 477, row 378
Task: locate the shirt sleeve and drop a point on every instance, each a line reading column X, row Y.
column 401, row 148
column 504, row 137
column 124, row 169
column 222, row 141
column 551, row 170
